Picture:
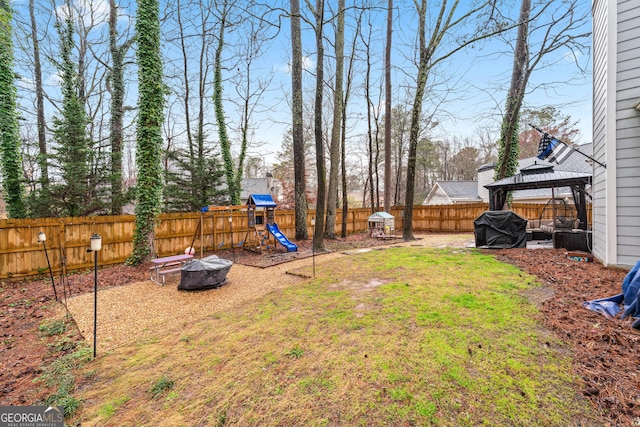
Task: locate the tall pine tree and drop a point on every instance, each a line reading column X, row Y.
column 149, row 128
column 194, row 181
column 9, row 132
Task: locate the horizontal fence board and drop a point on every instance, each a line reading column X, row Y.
column 67, row 239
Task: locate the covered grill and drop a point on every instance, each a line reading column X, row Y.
column 500, row 229
column 206, row 273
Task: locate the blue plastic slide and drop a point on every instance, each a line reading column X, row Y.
column 273, row 229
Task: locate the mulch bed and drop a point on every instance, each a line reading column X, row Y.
column 605, row 352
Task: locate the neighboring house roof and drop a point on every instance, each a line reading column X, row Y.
column 486, row 167
column 250, row 186
column 446, row 192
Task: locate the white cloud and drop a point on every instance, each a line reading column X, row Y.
column 307, row 64
column 572, row 56
column 92, row 12
column 54, row 79
column 28, row 84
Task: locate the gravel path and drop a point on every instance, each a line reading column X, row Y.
column 143, row 310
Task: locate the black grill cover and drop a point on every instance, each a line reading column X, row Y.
column 499, row 230
column 206, row 273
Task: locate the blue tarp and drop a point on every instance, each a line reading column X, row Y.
column 610, row 307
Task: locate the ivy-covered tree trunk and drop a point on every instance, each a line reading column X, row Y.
column 509, row 150
column 9, row 132
column 70, row 130
column 149, row 128
column 225, row 143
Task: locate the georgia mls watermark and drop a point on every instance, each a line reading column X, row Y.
column 31, row 416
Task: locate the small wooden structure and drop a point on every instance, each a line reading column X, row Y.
column 260, row 212
column 381, row 225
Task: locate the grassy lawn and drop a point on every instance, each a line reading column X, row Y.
column 402, row 336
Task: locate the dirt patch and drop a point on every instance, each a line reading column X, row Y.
column 605, row 351
column 358, row 286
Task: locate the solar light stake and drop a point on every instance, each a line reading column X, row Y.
column 313, row 247
column 42, row 238
column 96, row 245
column 233, row 248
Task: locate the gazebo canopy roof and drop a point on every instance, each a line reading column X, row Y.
column 542, row 178
column 528, row 181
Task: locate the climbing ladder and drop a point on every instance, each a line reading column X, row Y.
column 263, row 240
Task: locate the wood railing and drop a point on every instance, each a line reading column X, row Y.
column 21, row 255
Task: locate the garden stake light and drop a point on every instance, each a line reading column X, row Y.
column 42, row 238
column 233, row 249
column 313, row 248
column 96, row 245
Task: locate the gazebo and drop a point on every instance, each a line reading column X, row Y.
column 576, row 237
column 543, row 177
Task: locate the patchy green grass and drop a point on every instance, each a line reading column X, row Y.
column 53, row 327
column 404, row 336
column 59, row 376
column 161, row 386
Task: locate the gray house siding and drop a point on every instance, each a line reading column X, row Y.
column 600, row 65
column 628, row 133
column 616, row 131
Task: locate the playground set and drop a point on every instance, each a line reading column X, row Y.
column 262, row 233
column 261, row 220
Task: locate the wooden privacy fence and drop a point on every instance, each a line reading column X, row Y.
column 67, row 239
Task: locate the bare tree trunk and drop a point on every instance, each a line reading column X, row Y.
column 334, row 150
column 345, row 191
column 117, row 111
column 318, row 233
column 387, row 111
column 376, row 158
column 299, row 161
column 185, row 74
column 414, row 133
column 42, row 135
column 367, row 94
column 444, row 24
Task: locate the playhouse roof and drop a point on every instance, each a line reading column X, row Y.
column 261, row 200
column 381, row 215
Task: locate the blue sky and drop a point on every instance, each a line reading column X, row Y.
column 477, row 79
